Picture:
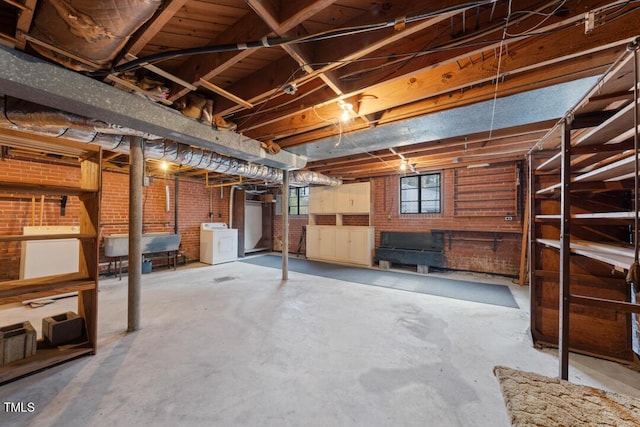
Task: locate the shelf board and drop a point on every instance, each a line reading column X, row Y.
column 21, row 237
column 592, row 217
column 21, row 290
column 615, row 126
column 616, row 171
column 45, row 357
column 617, row 256
column 613, row 172
column 41, row 188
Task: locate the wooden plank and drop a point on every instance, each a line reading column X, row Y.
column 16, row 294
column 591, row 215
column 45, row 189
column 622, row 306
column 616, row 256
column 44, row 358
column 168, row 10
column 22, row 237
column 525, row 242
column 620, row 123
column 617, row 171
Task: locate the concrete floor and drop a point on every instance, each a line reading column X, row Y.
column 233, row 345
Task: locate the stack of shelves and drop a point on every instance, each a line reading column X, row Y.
column 329, row 236
column 85, row 281
column 581, row 224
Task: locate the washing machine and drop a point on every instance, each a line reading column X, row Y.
column 218, row 243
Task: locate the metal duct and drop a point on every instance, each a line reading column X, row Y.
column 26, row 116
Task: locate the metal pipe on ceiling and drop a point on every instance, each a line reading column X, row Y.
column 60, row 124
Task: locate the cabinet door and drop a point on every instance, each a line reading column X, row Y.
column 353, row 198
column 321, row 200
column 343, row 244
column 360, row 245
column 327, row 243
column 313, row 242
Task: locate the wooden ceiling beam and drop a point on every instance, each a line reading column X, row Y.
column 448, row 76
column 169, row 9
column 24, row 23
column 249, row 27
column 522, row 69
column 377, row 43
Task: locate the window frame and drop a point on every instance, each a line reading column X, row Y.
column 419, row 201
column 298, row 197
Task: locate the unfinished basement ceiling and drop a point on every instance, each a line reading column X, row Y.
column 284, row 72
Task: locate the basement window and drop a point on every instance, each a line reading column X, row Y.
column 420, row 194
column 299, row 201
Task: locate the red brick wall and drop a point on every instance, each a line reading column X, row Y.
column 468, row 250
column 25, row 208
column 493, row 190
column 197, row 204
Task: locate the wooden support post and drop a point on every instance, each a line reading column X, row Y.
column 41, row 210
column 525, row 240
column 565, row 249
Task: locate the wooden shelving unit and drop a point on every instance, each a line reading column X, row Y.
column 85, row 282
column 581, row 224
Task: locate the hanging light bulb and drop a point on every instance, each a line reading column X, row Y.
column 164, row 166
column 403, row 165
column 346, row 110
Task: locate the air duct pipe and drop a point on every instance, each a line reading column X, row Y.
column 34, row 118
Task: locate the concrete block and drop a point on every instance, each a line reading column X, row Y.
column 384, row 265
column 17, row 341
column 62, row 328
column 423, row 269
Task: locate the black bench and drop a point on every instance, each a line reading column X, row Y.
column 421, row 249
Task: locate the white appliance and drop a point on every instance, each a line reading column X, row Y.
column 49, row 257
column 218, row 243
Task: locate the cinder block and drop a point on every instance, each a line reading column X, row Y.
column 384, row 265
column 17, row 341
column 423, row 269
column 62, row 328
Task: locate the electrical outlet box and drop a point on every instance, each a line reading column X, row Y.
column 508, row 218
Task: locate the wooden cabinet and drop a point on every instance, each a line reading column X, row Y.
column 85, row 281
column 347, row 198
column 342, row 242
column 582, row 224
column 322, row 200
column 353, row 198
column 347, row 245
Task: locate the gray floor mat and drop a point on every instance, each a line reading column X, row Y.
column 449, row 288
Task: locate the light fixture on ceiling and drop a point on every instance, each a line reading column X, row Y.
column 403, row 165
column 164, row 166
column 346, row 108
column 290, row 89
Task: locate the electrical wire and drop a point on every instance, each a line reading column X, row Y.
column 495, row 93
column 546, row 18
column 280, row 41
